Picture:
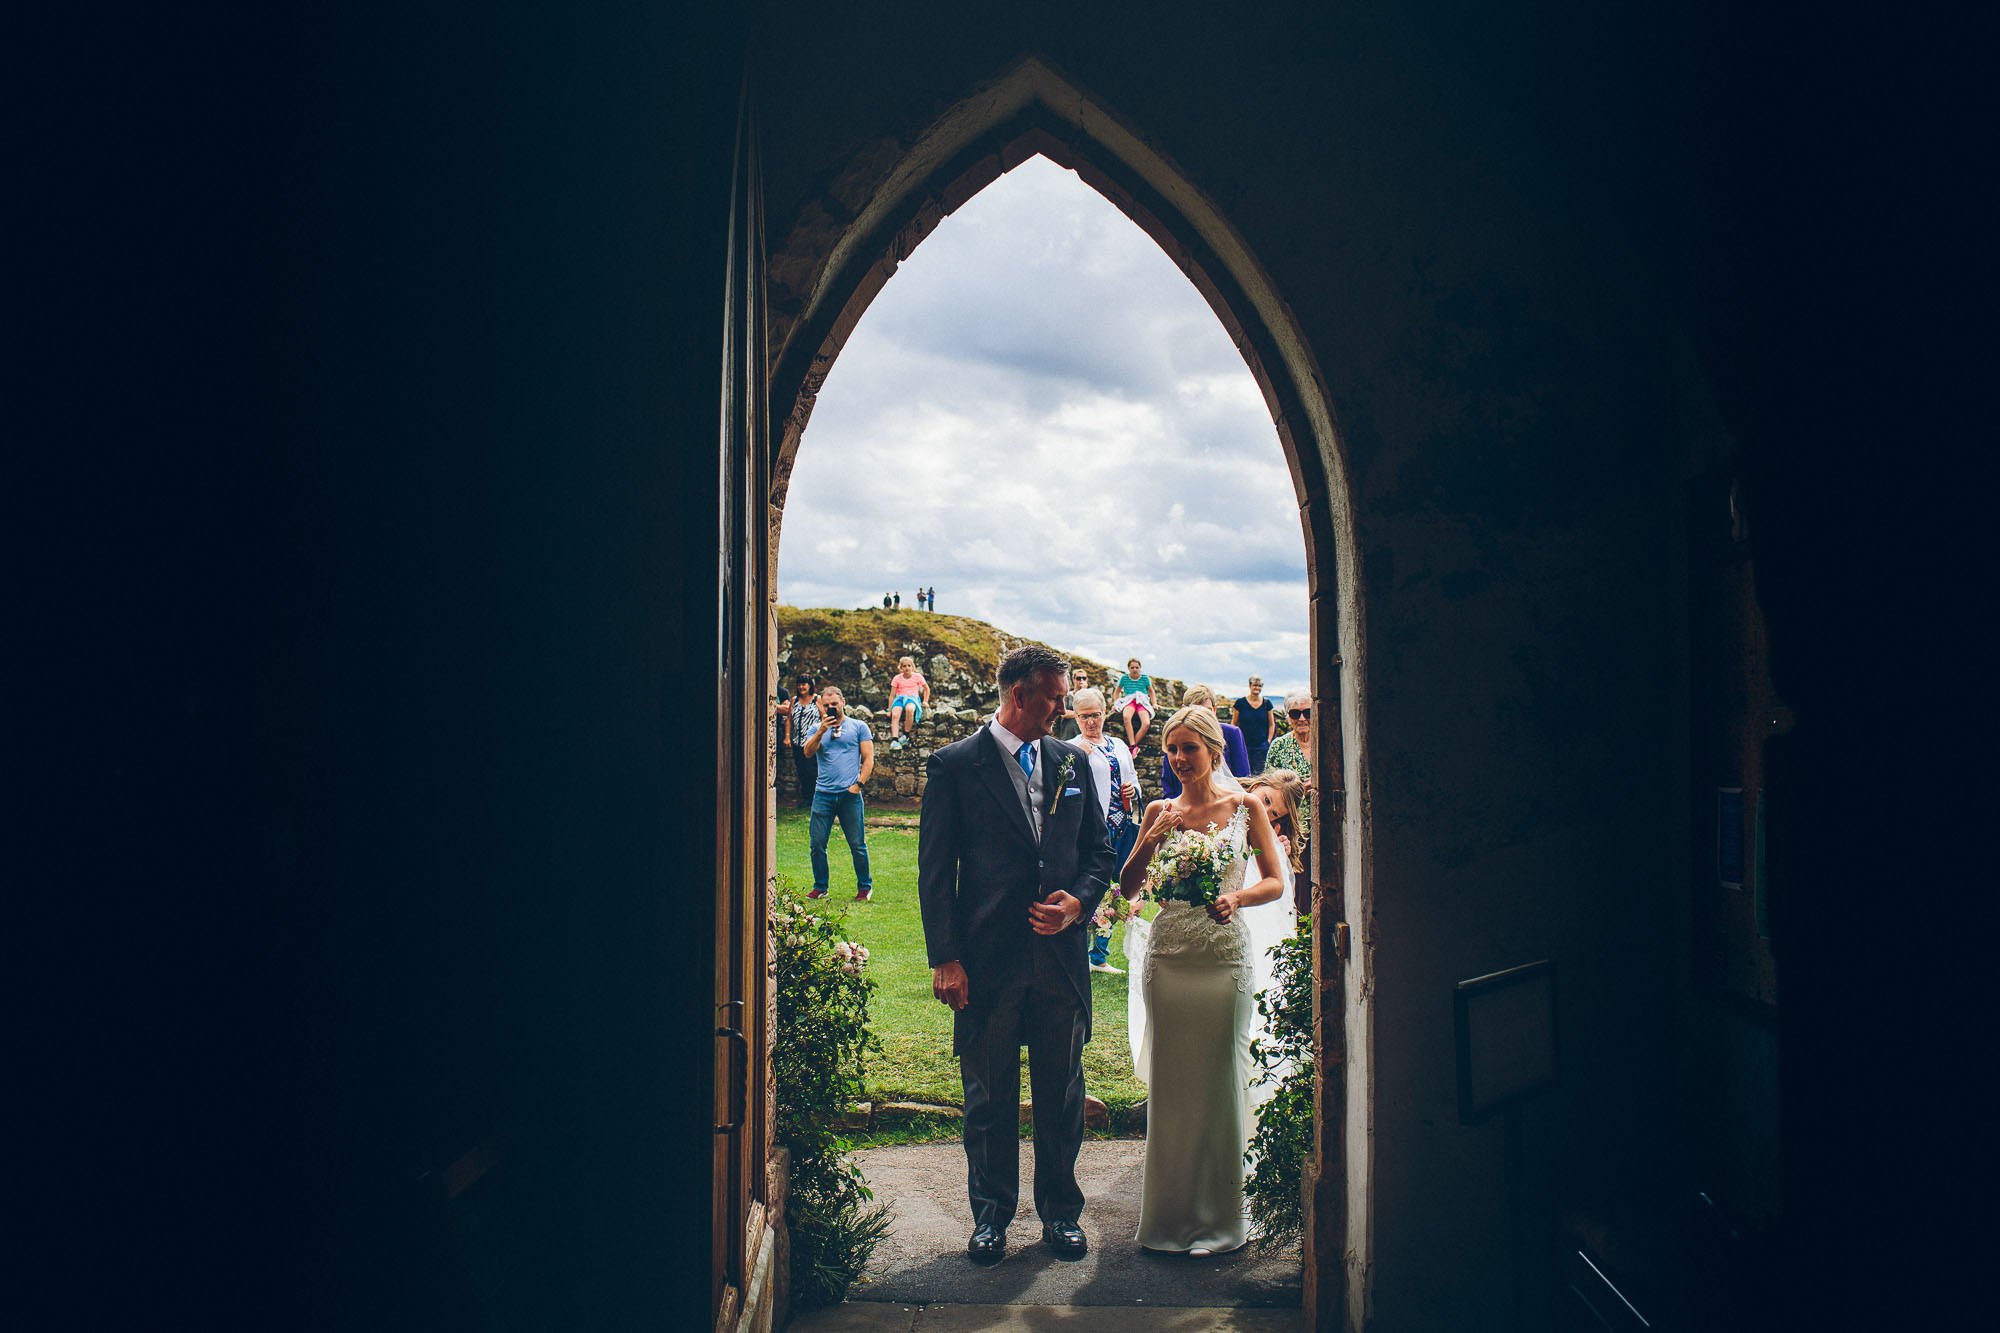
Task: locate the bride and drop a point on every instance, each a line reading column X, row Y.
column 1197, row 979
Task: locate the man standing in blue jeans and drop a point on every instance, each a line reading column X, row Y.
column 845, row 748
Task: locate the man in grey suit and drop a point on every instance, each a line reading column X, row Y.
column 1011, row 862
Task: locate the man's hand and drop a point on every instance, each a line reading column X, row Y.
column 1054, row 914
column 949, row 984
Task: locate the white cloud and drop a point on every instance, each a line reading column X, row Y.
column 1041, row 416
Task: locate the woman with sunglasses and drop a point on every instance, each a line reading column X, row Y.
column 1293, row 750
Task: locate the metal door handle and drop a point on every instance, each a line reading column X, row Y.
column 739, row 1095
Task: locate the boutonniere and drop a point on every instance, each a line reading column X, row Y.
column 1063, row 776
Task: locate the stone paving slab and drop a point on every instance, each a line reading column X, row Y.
column 922, row 1264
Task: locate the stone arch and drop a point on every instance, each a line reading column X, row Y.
column 841, row 251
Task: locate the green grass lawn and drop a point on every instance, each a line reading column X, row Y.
column 916, row 1063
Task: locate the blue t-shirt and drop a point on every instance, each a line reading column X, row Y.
column 840, row 756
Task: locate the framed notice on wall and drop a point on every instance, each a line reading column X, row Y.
column 1504, row 1026
column 1729, row 837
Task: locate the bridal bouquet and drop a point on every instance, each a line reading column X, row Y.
column 1189, row 866
column 1116, row 907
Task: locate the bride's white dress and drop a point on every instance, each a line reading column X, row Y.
column 1193, row 1001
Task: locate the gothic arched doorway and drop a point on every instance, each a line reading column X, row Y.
column 818, row 284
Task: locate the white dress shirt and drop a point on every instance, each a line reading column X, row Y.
column 1012, row 745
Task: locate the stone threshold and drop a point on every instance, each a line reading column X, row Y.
column 868, row 1115
column 862, row 1317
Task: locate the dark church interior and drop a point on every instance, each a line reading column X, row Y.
column 404, row 399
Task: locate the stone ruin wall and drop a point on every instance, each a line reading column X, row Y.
column 962, row 702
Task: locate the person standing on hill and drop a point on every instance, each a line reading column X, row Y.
column 1254, row 715
column 845, row 749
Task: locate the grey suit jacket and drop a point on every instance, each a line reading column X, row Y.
column 979, row 868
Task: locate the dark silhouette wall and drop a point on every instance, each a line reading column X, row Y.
column 376, row 371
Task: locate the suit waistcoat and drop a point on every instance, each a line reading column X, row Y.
column 1029, row 790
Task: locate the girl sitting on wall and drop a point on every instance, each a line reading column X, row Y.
column 1135, row 703
column 909, row 695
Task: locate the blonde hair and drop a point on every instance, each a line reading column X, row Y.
column 1199, row 694
column 1291, row 789
column 1201, row 720
column 910, row 662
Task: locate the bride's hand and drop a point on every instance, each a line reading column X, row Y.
column 1223, row 908
column 1168, row 820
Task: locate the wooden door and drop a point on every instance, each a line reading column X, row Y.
column 738, row 1221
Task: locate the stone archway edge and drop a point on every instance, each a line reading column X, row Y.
column 842, row 249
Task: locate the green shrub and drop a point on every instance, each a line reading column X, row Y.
column 817, row 1063
column 1283, row 1141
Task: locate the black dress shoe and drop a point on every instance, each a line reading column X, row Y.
column 1066, row 1239
column 987, row 1246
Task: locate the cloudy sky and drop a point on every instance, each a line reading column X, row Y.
column 1040, row 416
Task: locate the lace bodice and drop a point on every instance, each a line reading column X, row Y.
column 1185, row 931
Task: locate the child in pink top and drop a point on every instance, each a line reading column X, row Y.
column 909, row 694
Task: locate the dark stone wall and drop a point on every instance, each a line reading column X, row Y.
column 1552, row 264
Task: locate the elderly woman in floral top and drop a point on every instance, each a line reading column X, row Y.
column 1293, row 750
